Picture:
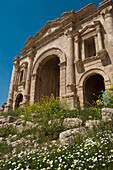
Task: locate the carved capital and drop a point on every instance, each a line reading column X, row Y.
column 76, row 37
column 98, row 28
column 31, row 54
column 107, row 12
column 25, row 65
column 69, row 33
column 16, row 63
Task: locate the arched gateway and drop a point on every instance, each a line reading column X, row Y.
column 19, row 99
column 49, row 75
column 70, row 57
column 93, row 89
column 48, row 78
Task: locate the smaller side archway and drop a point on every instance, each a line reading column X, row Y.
column 102, row 76
column 93, row 88
column 19, row 99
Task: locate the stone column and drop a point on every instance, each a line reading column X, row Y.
column 70, row 80
column 83, row 50
column 62, row 79
column 28, row 79
column 100, row 44
column 12, row 83
column 77, row 52
column 33, row 88
column 108, row 16
column 70, row 62
column 96, row 43
column 24, row 74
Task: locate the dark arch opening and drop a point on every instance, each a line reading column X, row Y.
column 48, row 79
column 18, row 100
column 93, row 88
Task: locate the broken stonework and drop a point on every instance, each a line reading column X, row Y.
column 92, row 123
column 71, row 122
column 67, row 136
column 11, row 119
column 107, row 114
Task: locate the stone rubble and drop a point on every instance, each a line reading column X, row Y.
column 73, row 128
column 72, row 122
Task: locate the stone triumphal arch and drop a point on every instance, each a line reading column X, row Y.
column 71, row 57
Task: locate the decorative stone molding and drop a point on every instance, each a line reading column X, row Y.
column 44, row 56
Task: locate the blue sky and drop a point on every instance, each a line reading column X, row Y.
column 20, row 19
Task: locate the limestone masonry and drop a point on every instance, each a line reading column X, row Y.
column 71, row 57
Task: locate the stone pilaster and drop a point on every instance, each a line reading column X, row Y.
column 96, row 44
column 77, row 51
column 62, row 79
column 28, row 78
column 100, row 44
column 83, row 50
column 24, row 74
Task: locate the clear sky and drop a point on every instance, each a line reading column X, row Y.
column 20, row 19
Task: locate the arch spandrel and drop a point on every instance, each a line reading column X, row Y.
column 46, row 56
column 92, row 72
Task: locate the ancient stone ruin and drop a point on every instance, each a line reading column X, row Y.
column 71, row 57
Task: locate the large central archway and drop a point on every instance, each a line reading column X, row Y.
column 93, row 88
column 48, row 78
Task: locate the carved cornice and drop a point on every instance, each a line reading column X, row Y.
column 106, row 8
column 104, row 4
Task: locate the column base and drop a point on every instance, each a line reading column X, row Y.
column 70, row 98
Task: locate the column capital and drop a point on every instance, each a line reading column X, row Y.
column 107, row 12
column 25, row 65
column 76, row 36
column 31, row 53
column 98, row 28
column 16, row 61
column 69, row 33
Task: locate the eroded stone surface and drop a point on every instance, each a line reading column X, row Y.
column 107, row 114
column 71, row 122
column 92, row 123
column 69, row 135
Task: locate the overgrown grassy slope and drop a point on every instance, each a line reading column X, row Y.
column 95, row 151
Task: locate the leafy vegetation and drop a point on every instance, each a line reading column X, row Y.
column 94, row 152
